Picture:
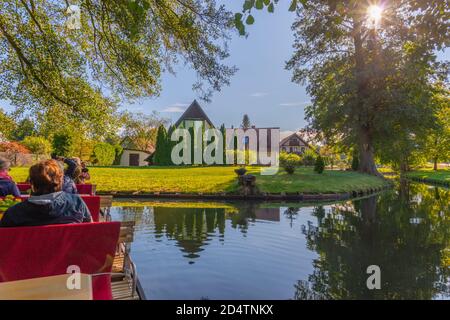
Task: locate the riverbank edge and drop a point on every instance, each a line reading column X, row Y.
column 284, row 196
column 429, row 181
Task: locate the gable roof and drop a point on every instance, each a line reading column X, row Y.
column 194, row 112
column 295, row 134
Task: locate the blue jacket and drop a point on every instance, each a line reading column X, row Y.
column 8, row 187
column 54, row 208
column 69, row 184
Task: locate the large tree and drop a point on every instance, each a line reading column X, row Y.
column 118, row 53
column 366, row 83
column 436, row 141
column 140, row 130
column 366, row 80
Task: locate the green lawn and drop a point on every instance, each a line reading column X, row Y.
column 307, row 181
column 442, row 176
column 218, row 179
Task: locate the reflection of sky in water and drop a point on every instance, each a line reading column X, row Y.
column 251, row 251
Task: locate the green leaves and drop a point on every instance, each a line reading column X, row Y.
column 259, row 4
column 248, row 5
column 293, row 5
column 117, row 55
column 239, row 24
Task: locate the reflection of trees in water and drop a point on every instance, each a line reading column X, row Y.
column 246, row 213
column 291, row 213
column 378, row 231
column 192, row 228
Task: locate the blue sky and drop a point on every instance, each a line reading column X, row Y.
column 262, row 88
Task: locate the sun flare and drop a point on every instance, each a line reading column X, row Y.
column 375, row 12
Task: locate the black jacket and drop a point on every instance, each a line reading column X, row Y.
column 54, row 208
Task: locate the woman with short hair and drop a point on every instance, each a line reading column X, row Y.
column 48, row 204
column 7, row 185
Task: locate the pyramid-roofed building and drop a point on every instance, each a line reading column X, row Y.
column 192, row 114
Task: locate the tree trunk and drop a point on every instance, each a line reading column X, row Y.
column 435, row 164
column 366, row 149
column 367, row 154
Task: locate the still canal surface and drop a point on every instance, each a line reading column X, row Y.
column 211, row 250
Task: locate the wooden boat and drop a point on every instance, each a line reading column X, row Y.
column 122, row 274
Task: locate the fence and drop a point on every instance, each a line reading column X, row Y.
column 23, row 159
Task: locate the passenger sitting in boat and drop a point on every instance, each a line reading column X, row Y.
column 7, row 185
column 69, row 174
column 48, row 204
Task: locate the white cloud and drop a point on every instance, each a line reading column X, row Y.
column 295, row 104
column 176, row 108
column 259, row 94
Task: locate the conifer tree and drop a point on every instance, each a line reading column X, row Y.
column 160, row 156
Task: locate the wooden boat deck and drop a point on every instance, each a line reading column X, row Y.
column 122, row 285
column 122, row 289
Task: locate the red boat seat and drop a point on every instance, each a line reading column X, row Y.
column 92, row 202
column 34, row 252
column 81, row 188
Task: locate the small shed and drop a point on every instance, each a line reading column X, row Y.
column 134, row 158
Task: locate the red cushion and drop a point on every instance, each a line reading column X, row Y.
column 101, row 288
column 85, row 189
column 23, row 187
column 33, row 252
column 93, row 204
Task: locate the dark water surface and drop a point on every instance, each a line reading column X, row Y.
column 201, row 250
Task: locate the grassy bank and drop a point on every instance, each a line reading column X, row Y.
column 218, row 180
column 428, row 175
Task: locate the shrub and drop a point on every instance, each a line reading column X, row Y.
column 104, row 154
column 13, row 147
column 118, row 149
column 319, row 165
column 241, row 171
column 62, row 144
column 290, row 159
column 309, row 157
column 38, row 145
column 290, row 169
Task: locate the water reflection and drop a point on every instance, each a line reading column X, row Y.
column 284, row 251
column 191, row 228
column 413, row 257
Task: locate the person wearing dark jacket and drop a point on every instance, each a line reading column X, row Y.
column 69, row 185
column 7, row 185
column 48, row 204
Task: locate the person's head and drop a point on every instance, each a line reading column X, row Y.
column 46, row 177
column 4, row 164
column 77, row 161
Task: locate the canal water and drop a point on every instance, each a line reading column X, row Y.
column 244, row 250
